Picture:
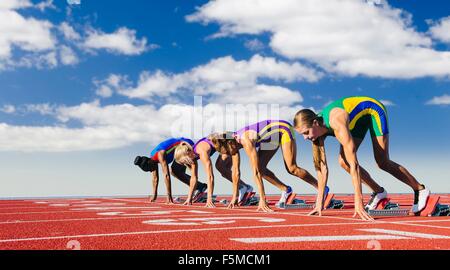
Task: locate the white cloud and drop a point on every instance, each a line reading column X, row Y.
column 387, row 102
column 14, row 4
column 349, row 37
column 69, row 32
column 122, row 41
column 441, row 30
column 441, row 100
column 114, row 126
column 225, row 80
column 8, row 108
column 43, row 109
column 28, row 34
column 48, row 4
column 254, row 45
column 68, row 56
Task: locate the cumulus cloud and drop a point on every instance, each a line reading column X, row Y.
column 387, row 102
column 27, row 41
column 347, row 37
column 68, row 56
column 115, row 126
column 441, row 30
column 223, row 80
column 122, row 41
column 28, row 34
column 8, row 108
column 440, row 100
column 254, row 45
column 69, row 32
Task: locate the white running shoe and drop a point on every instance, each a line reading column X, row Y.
column 242, row 192
column 375, row 199
column 420, row 200
column 285, row 195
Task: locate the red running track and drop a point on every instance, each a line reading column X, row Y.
column 135, row 223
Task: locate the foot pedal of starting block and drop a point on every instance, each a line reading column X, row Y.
column 382, row 203
column 224, row 202
column 430, row 208
column 291, row 198
column 247, row 197
column 331, row 203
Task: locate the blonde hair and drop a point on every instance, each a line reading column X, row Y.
column 181, row 154
column 307, row 117
column 224, row 143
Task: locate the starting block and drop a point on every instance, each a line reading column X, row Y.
column 293, row 203
column 178, row 200
column 203, row 198
column 249, row 199
column 386, row 208
column 224, row 202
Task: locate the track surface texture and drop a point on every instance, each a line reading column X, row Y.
column 135, row 223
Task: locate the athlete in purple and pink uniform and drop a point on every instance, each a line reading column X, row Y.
column 261, row 141
column 203, row 150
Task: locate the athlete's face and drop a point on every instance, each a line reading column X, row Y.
column 309, row 133
column 188, row 159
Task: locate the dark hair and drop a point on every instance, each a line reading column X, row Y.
column 145, row 163
column 224, row 143
column 307, row 117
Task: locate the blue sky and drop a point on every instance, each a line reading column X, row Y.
column 86, row 87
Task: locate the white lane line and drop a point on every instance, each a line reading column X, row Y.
column 443, row 219
column 114, row 218
column 173, row 231
column 326, row 216
column 147, row 201
column 407, row 234
column 316, row 238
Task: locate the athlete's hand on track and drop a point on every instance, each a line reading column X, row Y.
column 264, row 207
column 233, row 204
column 210, row 204
column 152, row 199
column 188, row 202
column 362, row 214
column 317, row 210
column 170, row 201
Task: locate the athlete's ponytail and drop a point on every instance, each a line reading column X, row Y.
column 224, row 143
column 306, row 118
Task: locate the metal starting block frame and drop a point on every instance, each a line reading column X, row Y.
column 293, row 203
column 432, row 208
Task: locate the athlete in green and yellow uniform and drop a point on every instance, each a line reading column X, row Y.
column 365, row 113
column 348, row 119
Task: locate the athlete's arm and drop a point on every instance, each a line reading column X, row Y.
column 235, row 176
column 339, row 121
column 322, row 179
column 206, row 160
column 165, row 168
column 250, row 149
column 192, row 183
column 155, row 180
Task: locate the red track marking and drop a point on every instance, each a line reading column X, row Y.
column 132, row 224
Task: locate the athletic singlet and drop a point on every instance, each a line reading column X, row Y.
column 211, row 152
column 275, row 132
column 365, row 113
column 168, row 146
